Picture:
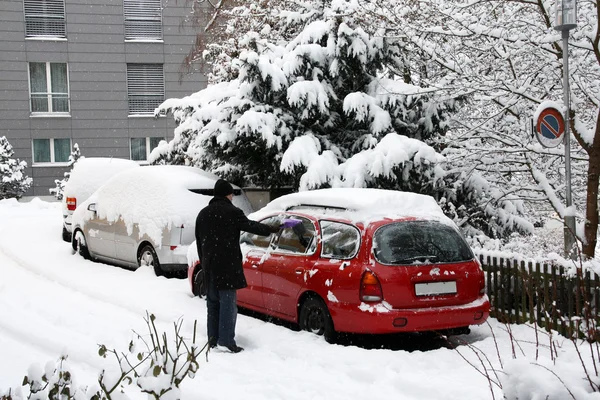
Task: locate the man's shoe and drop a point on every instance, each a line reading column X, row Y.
column 234, row 348
column 212, row 344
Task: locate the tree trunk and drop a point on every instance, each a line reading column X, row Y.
column 591, row 209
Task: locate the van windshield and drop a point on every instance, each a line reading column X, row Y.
column 419, row 242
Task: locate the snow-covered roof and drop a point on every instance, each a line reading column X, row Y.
column 154, row 197
column 359, row 204
column 89, row 174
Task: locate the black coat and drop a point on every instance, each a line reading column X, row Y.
column 218, row 227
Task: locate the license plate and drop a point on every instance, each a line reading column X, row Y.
column 432, row 288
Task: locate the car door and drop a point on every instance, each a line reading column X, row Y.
column 256, row 250
column 125, row 243
column 288, row 268
column 100, row 235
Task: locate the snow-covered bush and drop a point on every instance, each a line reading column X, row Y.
column 60, row 183
column 13, row 182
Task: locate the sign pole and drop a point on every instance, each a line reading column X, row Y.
column 569, row 229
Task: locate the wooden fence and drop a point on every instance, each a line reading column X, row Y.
column 543, row 293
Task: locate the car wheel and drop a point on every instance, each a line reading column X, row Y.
column 198, row 287
column 80, row 245
column 315, row 318
column 66, row 235
column 147, row 258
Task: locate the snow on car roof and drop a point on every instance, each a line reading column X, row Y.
column 154, row 197
column 359, row 204
column 89, row 173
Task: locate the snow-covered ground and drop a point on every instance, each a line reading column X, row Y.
column 53, row 302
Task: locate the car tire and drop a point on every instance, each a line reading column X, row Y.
column 147, row 257
column 80, row 245
column 66, row 235
column 315, row 318
column 198, row 287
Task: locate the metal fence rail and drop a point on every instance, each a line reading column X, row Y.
column 543, row 293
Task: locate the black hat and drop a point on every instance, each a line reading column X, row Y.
column 223, row 188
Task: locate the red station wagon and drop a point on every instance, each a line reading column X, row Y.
column 361, row 261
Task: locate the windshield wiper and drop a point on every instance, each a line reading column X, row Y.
column 410, row 260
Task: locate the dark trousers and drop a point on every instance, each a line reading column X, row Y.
column 222, row 314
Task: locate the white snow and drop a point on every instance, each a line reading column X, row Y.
column 54, row 303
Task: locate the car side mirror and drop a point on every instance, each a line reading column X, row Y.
column 92, row 207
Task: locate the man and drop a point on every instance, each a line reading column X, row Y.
column 218, row 228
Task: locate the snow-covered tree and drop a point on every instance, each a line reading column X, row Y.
column 505, row 57
column 60, row 184
column 13, row 182
column 332, row 106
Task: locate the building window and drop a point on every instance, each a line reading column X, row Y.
column 51, row 150
column 143, row 19
column 49, row 87
column 145, row 88
column 142, row 147
column 45, row 18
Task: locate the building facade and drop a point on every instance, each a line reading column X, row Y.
column 89, row 72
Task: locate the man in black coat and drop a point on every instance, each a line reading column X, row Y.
column 218, row 227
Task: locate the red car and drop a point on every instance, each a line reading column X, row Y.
column 361, row 261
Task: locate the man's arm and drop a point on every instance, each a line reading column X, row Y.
column 257, row 228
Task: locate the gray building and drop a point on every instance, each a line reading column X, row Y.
column 89, row 72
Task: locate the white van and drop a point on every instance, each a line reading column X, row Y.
column 146, row 217
column 88, row 174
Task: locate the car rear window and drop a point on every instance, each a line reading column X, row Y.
column 418, row 242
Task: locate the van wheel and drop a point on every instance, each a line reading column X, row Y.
column 315, row 318
column 80, row 245
column 147, row 258
column 198, row 287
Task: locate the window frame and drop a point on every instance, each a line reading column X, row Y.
column 49, row 94
column 147, row 144
column 30, row 14
column 311, row 249
column 141, row 88
column 331, row 256
column 132, row 17
column 52, row 161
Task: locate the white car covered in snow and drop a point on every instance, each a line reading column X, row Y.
column 146, row 217
column 87, row 176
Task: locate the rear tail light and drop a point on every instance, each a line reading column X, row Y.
column 370, row 288
column 173, row 247
column 71, row 203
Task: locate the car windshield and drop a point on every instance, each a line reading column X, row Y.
column 419, row 242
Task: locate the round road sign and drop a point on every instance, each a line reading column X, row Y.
column 550, row 127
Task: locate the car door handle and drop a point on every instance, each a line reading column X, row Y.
column 299, row 271
column 254, row 266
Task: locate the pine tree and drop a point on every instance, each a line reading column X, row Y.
column 333, row 105
column 13, row 182
column 60, row 184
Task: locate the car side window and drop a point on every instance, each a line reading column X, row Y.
column 339, row 240
column 299, row 239
column 252, row 239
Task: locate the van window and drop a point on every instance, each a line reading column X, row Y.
column 340, row 241
column 418, row 242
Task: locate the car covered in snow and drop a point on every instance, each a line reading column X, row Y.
column 146, row 217
column 360, row 261
column 87, row 175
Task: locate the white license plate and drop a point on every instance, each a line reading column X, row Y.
column 432, row 288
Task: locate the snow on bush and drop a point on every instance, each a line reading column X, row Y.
column 13, row 181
